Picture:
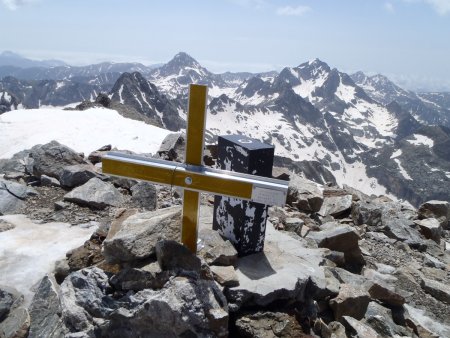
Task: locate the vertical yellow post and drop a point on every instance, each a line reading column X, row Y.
column 195, row 135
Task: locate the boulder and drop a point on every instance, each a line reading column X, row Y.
column 16, row 325
column 18, row 190
column 95, row 194
column 225, row 275
column 336, row 205
column 45, row 311
column 430, row 228
column 269, row 324
column 48, row 181
column 380, row 319
column 10, row 298
column 436, row 209
column 50, row 159
column 76, row 175
column 294, row 224
column 438, row 290
column 9, row 204
column 365, row 212
column 404, row 230
column 424, row 324
column 88, row 254
column 96, row 156
column 172, row 147
column 184, row 307
column 282, row 273
column 172, row 255
column 214, row 249
column 304, row 194
column 358, row 329
column 138, row 234
column 386, row 294
column 150, row 276
column 143, row 195
column 352, row 301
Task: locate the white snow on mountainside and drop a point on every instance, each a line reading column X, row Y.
column 83, row 131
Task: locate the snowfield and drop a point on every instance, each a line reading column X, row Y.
column 83, row 131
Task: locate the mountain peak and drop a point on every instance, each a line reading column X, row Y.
column 183, row 59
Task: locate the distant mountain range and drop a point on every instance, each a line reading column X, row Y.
column 362, row 131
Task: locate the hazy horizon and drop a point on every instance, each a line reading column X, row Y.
column 402, row 39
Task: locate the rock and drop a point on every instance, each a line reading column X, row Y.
column 225, row 275
column 143, row 195
column 425, row 324
column 346, row 277
column 438, row 290
column 304, row 194
column 184, row 307
column 48, row 181
column 50, row 159
column 432, row 262
column 386, row 294
column 120, row 216
column 336, row 257
column 172, row 255
column 336, row 205
column 95, row 194
column 16, row 325
column 5, row 226
column 96, row 156
column 61, row 270
column 76, row 175
column 365, row 212
column 214, row 249
column 358, row 329
column 430, row 228
column 379, row 318
column 149, row 276
column 90, row 253
column 10, row 298
column 172, row 147
column 45, row 311
column 18, row 190
column 404, row 230
column 9, row 204
column 269, row 324
column 352, row 301
column 281, row 273
column 139, row 233
column 341, row 238
column 60, row 205
column 436, row 209
column 294, row 224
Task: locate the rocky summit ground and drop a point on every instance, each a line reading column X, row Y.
column 336, row 262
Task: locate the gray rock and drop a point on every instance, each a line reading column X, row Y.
column 76, row 175
column 225, row 275
column 50, row 159
column 347, row 277
column 283, row 272
column 172, row 147
column 438, row 290
column 45, row 311
column 215, row 250
column 404, row 230
column 358, row 329
column 364, row 212
column 352, row 301
column 436, row 209
column 18, row 190
column 304, row 194
column 60, row 205
column 422, row 321
column 10, row 204
column 430, row 228
column 380, row 319
column 172, row 255
column 48, row 181
column 269, row 324
column 432, row 262
column 95, row 194
column 336, row 205
column 16, row 325
column 10, row 298
column 386, row 294
column 149, row 276
column 143, row 195
column 138, row 234
column 294, row 224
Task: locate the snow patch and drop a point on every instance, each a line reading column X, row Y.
column 421, row 140
column 402, row 170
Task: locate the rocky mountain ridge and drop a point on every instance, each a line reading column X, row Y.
column 337, row 263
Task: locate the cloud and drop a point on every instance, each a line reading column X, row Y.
column 15, row 4
column 293, row 11
column 440, row 6
column 389, row 7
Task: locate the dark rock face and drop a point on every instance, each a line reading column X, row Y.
column 9, row 300
column 172, row 255
column 7, row 102
column 76, row 175
column 144, row 195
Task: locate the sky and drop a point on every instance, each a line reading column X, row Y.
column 407, row 40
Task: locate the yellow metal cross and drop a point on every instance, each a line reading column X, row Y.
column 194, row 177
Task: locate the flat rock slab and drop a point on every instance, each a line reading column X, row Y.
column 30, row 250
column 336, row 205
column 95, row 194
column 281, row 272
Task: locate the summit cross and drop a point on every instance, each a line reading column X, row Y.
column 192, row 176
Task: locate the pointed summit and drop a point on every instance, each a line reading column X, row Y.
column 180, row 62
